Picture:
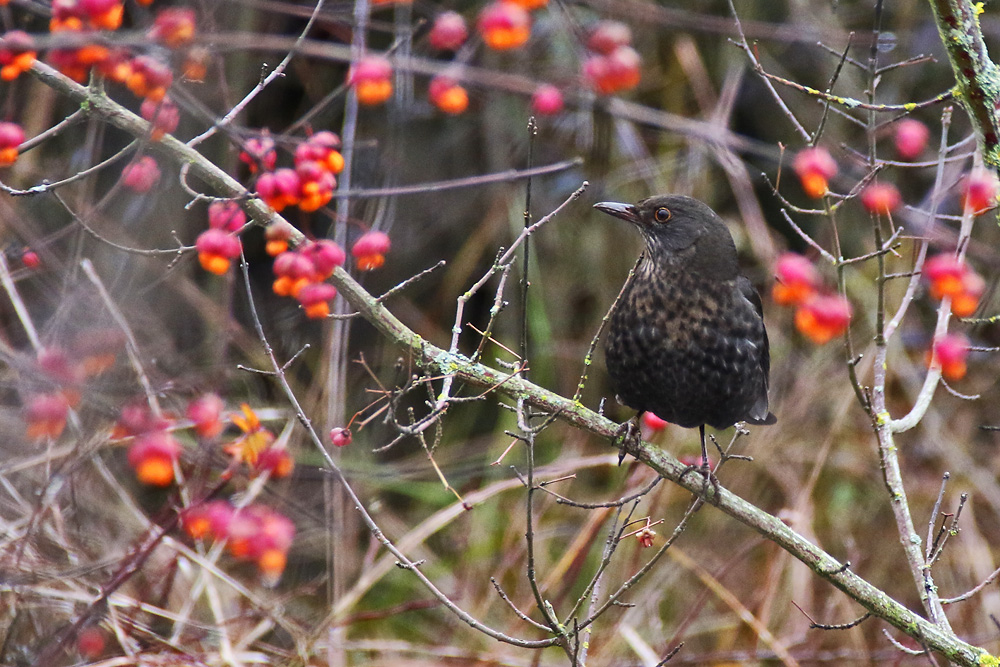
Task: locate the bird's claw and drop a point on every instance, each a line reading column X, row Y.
column 627, row 438
column 705, row 470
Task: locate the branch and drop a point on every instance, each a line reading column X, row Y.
column 977, row 78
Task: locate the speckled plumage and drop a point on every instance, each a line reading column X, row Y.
column 687, row 340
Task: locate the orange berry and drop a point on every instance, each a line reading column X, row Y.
column 504, row 25
column 950, row 354
column 371, row 77
column 823, row 317
column 979, row 191
column 815, row 167
column 797, row 280
column 448, row 96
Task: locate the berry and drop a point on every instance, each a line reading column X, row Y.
column 881, row 198
column 796, row 280
column 340, row 437
column 547, row 100
column 979, row 191
column 823, row 317
column 815, row 167
column 371, row 78
column 910, row 138
column 608, row 36
column 370, row 250
column 447, row 95
column 449, row 31
column 950, row 353
column 504, row 25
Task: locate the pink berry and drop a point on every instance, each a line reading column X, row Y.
column 547, row 100
column 449, row 31
column 371, row 243
column 226, row 215
column 340, row 437
column 608, row 36
column 141, row 175
column 881, row 198
column 911, row 138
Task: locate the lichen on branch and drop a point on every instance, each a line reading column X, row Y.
column 977, row 78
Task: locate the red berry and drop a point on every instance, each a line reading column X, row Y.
column 316, row 292
column 370, row 250
column 174, row 26
column 371, row 78
column 608, row 36
column 652, row 422
column 259, row 153
column 447, row 95
column 226, row 215
column 449, row 31
column 340, row 437
column 796, row 279
column 152, row 456
column 911, row 138
column 91, row 643
column 293, row 265
column 504, row 25
column 206, row 412
column 881, row 198
column 815, row 167
column 951, row 352
column 547, row 100
column 218, row 242
column 141, row 175
column 617, row 71
column 30, row 259
column 325, row 255
column 11, row 138
column 823, row 317
column 164, row 116
column 979, row 192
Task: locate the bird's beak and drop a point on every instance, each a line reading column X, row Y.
column 626, row 212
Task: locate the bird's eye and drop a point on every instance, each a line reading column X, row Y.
column 662, row 214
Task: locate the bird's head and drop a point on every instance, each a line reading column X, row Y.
column 672, row 224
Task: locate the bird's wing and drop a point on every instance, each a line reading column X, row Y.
column 764, row 351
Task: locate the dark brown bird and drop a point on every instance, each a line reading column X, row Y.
column 687, row 340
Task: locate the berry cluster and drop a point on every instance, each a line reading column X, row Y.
column 820, row 315
column 255, row 533
column 310, row 184
column 951, row 278
column 17, row 54
column 613, row 65
column 62, row 371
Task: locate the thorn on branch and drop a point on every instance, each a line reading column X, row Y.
column 841, row 569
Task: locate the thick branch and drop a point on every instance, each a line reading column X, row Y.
column 977, row 77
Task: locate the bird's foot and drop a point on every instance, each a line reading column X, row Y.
column 708, row 475
column 627, row 438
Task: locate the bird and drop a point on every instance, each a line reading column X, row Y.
column 686, row 340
